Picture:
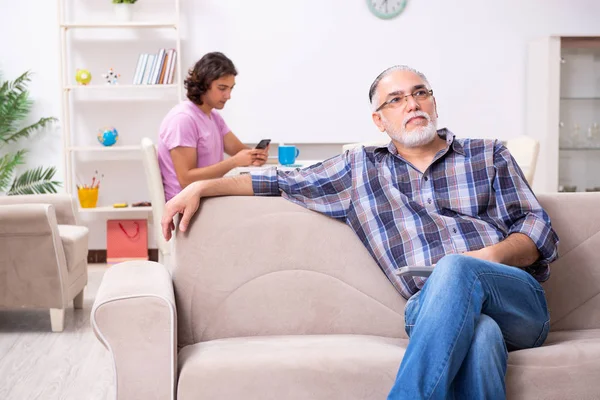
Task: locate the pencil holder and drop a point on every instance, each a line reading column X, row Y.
column 88, row 197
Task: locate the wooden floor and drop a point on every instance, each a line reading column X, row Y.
column 36, row 363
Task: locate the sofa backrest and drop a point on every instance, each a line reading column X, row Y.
column 574, row 285
column 251, row 266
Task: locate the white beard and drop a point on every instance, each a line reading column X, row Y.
column 419, row 136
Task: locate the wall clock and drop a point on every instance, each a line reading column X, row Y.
column 386, row 9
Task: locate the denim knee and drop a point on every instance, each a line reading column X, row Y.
column 453, row 266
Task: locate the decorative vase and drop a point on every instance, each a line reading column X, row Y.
column 123, row 11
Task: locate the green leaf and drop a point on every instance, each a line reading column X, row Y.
column 28, row 130
column 35, row 181
column 8, row 164
column 14, row 104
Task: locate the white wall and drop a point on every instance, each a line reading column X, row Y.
column 306, row 66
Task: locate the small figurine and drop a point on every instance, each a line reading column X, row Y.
column 83, row 76
column 111, row 77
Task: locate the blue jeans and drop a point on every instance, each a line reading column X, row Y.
column 461, row 324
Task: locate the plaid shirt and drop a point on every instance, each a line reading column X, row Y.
column 473, row 195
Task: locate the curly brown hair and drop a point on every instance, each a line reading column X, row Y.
column 207, row 70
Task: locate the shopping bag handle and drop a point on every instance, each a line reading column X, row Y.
column 137, row 230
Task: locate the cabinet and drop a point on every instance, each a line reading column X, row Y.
column 93, row 38
column 563, row 111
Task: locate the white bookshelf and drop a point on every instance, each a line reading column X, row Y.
column 73, row 17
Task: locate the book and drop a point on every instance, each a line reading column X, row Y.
column 148, row 70
column 168, row 65
column 173, row 68
column 139, row 70
column 163, row 69
column 160, row 58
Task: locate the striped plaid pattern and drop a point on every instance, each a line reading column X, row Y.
column 473, row 195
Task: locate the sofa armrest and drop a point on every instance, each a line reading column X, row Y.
column 134, row 317
column 64, row 204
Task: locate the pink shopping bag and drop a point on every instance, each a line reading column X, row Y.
column 126, row 239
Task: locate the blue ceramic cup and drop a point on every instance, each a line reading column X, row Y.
column 288, row 154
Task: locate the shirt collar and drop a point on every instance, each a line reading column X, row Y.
column 444, row 133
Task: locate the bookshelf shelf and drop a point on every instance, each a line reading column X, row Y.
column 119, row 25
column 116, row 149
column 109, row 209
column 121, row 87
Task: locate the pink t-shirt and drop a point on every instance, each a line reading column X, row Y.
column 187, row 126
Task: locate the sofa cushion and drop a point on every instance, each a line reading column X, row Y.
column 364, row 367
column 567, row 366
column 75, row 244
column 290, row 367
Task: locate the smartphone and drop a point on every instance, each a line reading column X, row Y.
column 422, row 270
column 263, row 144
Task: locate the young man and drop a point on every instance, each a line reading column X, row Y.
column 193, row 136
column 428, row 198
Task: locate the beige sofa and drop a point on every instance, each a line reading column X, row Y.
column 272, row 301
column 43, row 254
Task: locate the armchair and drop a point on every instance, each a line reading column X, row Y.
column 43, row 254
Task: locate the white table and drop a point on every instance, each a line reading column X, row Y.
column 298, row 164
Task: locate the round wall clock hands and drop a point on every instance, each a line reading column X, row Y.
column 386, row 9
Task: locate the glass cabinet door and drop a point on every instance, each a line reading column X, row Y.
column 579, row 127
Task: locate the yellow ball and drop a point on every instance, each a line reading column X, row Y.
column 83, row 76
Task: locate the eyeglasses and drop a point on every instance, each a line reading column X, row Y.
column 395, row 102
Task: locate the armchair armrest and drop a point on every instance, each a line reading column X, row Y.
column 134, row 317
column 28, row 219
column 64, row 204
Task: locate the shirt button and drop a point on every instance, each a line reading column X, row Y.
column 426, row 178
column 429, row 201
column 454, row 230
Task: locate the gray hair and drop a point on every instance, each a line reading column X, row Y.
column 375, row 84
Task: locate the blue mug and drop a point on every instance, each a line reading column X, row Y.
column 288, row 154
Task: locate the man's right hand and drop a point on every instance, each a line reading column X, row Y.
column 246, row 157
column 185, row 202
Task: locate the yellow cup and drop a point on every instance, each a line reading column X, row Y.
column 88, row 197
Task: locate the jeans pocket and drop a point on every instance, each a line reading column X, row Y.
column 546, row 328
column 543, row 335
column 410, row 314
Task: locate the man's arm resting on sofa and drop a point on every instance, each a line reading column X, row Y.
column 188, row 200
column 517, row 250
column 134, row 317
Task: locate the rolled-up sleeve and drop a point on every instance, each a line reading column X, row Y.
column 264, row 183
column 324, row 187
column 519, row 208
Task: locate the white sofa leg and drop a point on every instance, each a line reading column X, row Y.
column 57, row 319
column 78, row 300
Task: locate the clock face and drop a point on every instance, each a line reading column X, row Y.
column 386, row 9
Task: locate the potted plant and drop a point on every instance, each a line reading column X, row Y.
column 15, row 106
column 123, row 9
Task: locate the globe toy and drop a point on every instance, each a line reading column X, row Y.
column 83, row 76
column 108, row 136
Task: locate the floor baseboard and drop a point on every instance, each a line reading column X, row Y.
column 99, row 256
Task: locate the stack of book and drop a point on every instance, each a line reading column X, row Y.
column 156, row 69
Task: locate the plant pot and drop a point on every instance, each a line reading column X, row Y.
column 123, row 11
